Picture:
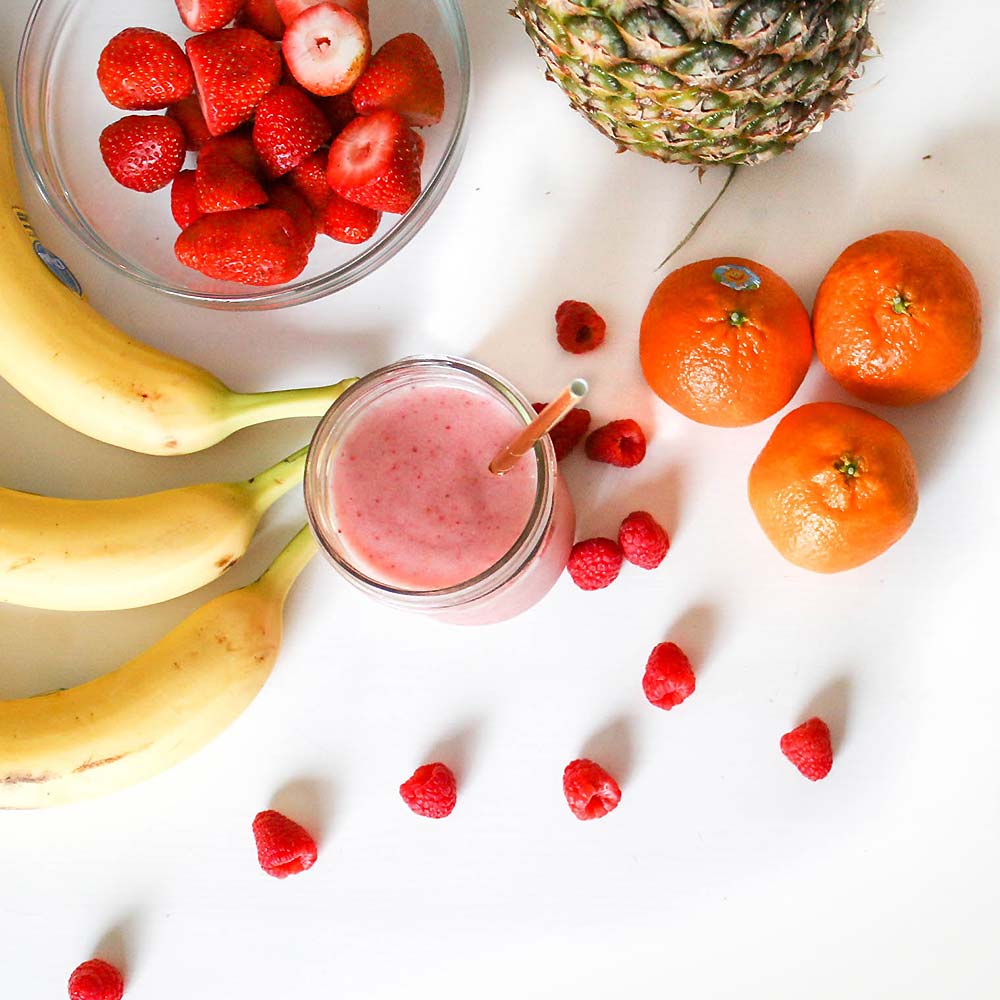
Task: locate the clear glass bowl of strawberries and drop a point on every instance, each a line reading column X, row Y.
column 244, row 153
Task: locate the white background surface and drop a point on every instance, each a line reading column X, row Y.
column 723, row 873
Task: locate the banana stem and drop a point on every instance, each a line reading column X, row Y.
column 278, row 578
column 269, row 486
column 260, row 407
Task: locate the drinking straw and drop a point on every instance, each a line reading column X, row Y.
column 508, row 456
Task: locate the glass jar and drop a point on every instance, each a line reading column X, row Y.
column 530, row 567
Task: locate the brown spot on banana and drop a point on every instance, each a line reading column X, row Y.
column 89, row 765
column 227, row 562
column 20, row 563
column 24, row 778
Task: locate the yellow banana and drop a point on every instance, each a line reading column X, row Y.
column 99, row 555
column 68, row 360
column 157, row 709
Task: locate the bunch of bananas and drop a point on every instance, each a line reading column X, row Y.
column 76, row 555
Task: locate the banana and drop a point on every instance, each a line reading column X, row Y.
column 101, row 555
column 64, row 357
column 155, row 710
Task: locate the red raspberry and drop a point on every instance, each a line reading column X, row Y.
column 808, row 748
column 96, row 980
column 283, row 847
column 569, row 432
column 669, row 679
column 644, row 542
column 579, row 328
column 590, row 791
column 621, row 443
column 432, row 791
column 595, row 563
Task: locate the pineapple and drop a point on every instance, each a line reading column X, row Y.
column 702, row 81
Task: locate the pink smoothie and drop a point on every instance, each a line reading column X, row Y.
column 415, row 504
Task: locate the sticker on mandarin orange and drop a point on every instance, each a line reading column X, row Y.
column 725, row 341
column 898, row 319
column 834, row 487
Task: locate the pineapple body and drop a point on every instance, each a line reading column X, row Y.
column 702, row 81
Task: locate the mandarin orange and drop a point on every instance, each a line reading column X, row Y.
column 725, row 341
column 898, row 319
column 834, row 487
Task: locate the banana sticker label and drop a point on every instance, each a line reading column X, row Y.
column 53, row 262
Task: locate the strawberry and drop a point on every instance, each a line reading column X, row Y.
column 282, row 195
column 288, row 127
column 255, row 246
column 290, row 9
column 375, row 161
column 326, row 49
column 233, row 69
column 347, row 222
column 187, row 114
column 207, row 15
column 143, row 152
column 225, row 179
column 262, row 16
column 309, row 179
column 339, row 111
column 184, row 199
column 403, row 76
column 239, row 147
column 144, row 70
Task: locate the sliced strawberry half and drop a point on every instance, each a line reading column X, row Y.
column 233, row 69
column 403, row 76
column 290, row 9
column 375, row 161
column 225, row 178
column 309, row 179
column 348, row 222
column 326, row 48
column 287, row 128
column 184, row 199
column 257, row 246
column 207, row 15
column 187, row 114
column 262, row 16
column 284, row 196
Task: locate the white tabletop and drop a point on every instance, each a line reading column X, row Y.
column 723, row 873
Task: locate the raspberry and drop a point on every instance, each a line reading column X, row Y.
column 569, row 432
column 283, row 847
column 621, row 443
column 590, row 791
column 644, row 542
column 808, row 748
column 96, row 980
column 431, row 791
column 595, row 563
column 668, row 679
column 579, row 328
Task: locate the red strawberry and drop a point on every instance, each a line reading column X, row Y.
column 144, row 70
column 239, row 147
column 207, row 15
column 339, row 111
column 233, row 69
column 347, row 222
column 326, row 49
column 288, row 127
column 375, row 161
column 309, row 179
column 285, row 197
column 255, row 246
column 184, row 199
column 262, row 16
column 144, row 153
column 187, row 114
column 225, row 178
column 403, row 76
column 290, row 9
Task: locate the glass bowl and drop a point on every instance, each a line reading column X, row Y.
column 61, row 113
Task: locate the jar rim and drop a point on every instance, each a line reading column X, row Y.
column 323, row 444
